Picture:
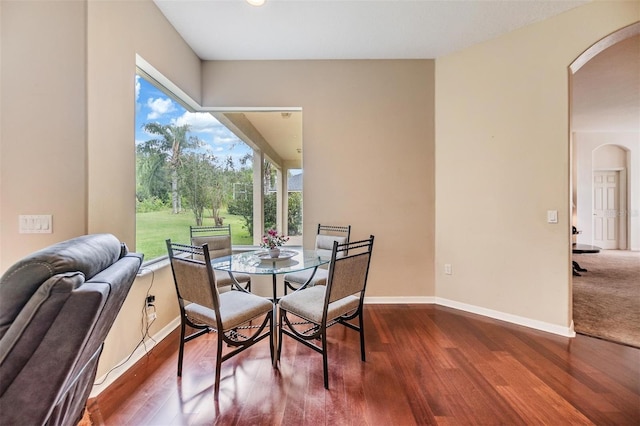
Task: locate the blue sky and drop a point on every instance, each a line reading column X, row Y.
column 152, row 105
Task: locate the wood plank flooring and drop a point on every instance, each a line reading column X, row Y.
column 426, row 364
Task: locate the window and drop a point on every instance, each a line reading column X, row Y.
column 189, row 170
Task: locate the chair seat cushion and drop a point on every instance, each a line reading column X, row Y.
column 236, row 308
column 320, row 277
column 223, row 279
column 308, row 304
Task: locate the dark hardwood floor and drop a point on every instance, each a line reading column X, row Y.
column 426, row 364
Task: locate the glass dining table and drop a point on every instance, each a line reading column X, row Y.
column 259, row 262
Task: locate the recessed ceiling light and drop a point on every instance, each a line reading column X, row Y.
column 256, row 2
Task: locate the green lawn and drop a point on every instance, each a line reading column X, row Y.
column 153, row 228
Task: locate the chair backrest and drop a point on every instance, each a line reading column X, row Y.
column 349, row 270
column 218, row 239
column 327, row 235
column 194, row 279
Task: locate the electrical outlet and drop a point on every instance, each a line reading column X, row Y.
column 150, row 299
column 151, row 313
column 447, row 269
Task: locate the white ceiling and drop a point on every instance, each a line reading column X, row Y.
column 354, row 29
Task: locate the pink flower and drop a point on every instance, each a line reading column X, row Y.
column 272, row 240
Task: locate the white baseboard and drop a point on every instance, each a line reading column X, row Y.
column 399, row 300
column 514, row 319
column 107, row 379
column 502, row 316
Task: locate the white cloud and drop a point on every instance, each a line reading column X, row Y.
column 137, row 87
column 159, row 107
column 199, row 122
column 202, row 122
column 225, row 138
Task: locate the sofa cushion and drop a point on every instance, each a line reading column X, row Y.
column 46, row 301
column 88, row 254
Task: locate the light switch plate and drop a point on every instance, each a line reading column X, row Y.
column 552, row 216
column 35, row 224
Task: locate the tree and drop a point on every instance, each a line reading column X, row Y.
column 172, row 142
column 243, row 205
column 197, row 175
column 294, row 223
column 221, row 191
column 152, row 177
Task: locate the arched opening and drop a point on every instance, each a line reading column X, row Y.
column 604, row 84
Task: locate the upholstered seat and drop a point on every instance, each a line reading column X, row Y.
column 236, row 308
column 308, row 304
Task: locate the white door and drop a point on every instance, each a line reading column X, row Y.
column 606, row 209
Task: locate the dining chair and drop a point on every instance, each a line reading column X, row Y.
column 218, row 238
column 202, row 307
column 337, row 302
column 326, row 236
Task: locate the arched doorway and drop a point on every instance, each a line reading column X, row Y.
column 605, row 171
column 605, row 105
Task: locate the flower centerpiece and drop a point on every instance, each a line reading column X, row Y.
column 272, row 241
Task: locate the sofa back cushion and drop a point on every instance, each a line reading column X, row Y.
column 88, row 255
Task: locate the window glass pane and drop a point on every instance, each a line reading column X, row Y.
column 190, row 170
column 294, row 184
column 270, row 196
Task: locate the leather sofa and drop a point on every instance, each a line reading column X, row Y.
column 56, row 307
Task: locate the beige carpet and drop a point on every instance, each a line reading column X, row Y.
column 606, row 299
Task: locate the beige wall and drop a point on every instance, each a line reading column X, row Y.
column 368, row 144
column 502, row 161
column 43, row 122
